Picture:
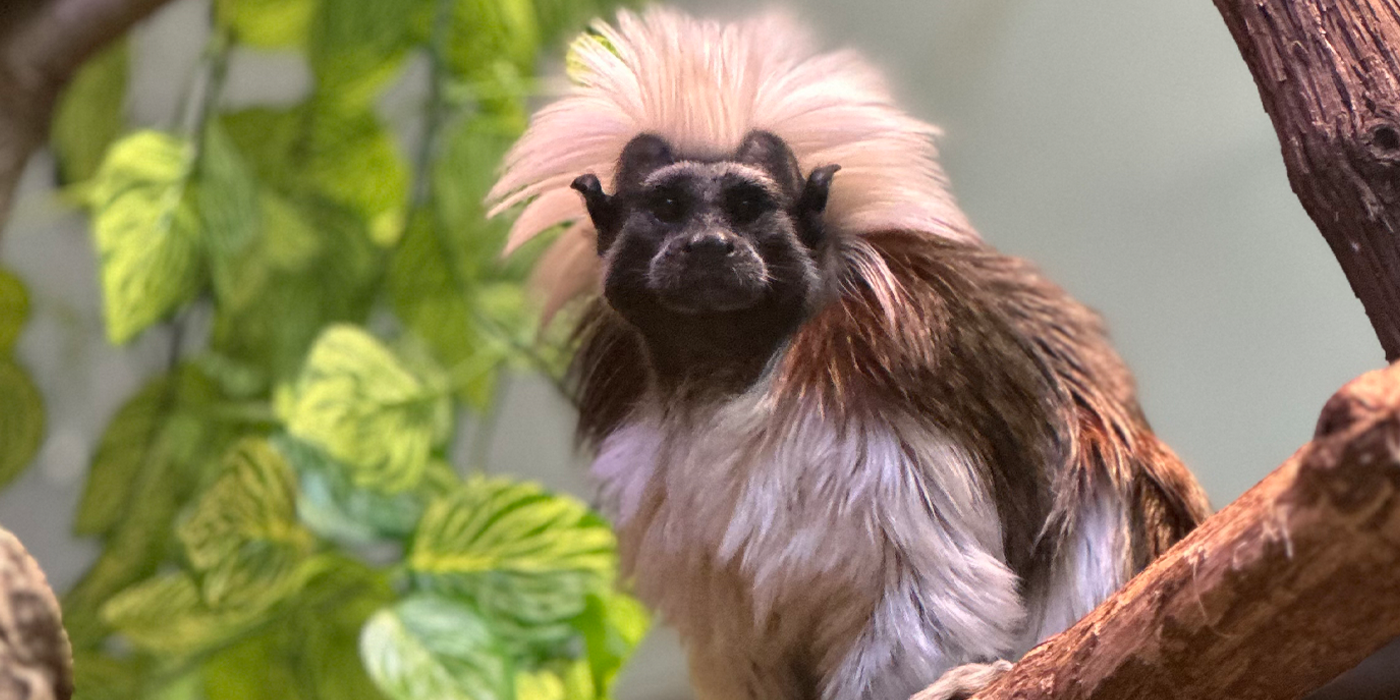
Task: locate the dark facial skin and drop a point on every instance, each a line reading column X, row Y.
column 714, row 262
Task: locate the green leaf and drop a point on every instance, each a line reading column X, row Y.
column 336, row 283
column 331, row 150
column 21, row 421
column 274, row 142
column 182, row 687
column 487, row 32
column 121, row 451
column 143, row 489
column 329, row 634
column 290, row 241
column 354, row 161
column 14, row 309
column 611, row 627
column 266, row 24
column 559, row 19
column 157, row 434
column 433, row 306
column 447, row 281
column 334, row 508
column 309, row 650
column 90, row 114
column 613, row 624
column 147, row 231
column 432, row 647
column 357, row 402
column 98, row 676
column 460, row 183
column 559, row 680
column 356, row 46
column 243, row 536
column 256, row 667
column 539, row 685
column 229, row 206
column 166, row 615
column 526, row 558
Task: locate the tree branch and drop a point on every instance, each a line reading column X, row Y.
column 1329, row 76
column 42, row 44
column 1283, row 590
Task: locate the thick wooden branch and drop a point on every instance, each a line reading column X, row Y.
column 42, row 44
column 1328, row 72
column 36, row 662
column 1283, row 590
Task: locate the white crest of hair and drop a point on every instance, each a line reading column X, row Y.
column 703, row 85
column 764, row 534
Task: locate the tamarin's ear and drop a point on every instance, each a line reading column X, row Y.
column 812, row 204
column 768, row 151
column 639, row 158
column 600, row 208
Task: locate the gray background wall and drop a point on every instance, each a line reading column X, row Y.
column 1119, row 143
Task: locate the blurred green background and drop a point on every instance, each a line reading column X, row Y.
column 275, row 217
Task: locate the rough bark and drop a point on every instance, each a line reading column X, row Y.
column 1328, row 72
column 1295, row 582
column 36, row 661
column 42, row 44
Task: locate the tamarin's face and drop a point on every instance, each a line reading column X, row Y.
column 702, row 254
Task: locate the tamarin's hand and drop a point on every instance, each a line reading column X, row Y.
column 962, row 682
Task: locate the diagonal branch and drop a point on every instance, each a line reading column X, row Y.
column 42, row 44
column 1272, row 597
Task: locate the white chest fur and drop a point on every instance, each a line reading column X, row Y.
column 771, row 536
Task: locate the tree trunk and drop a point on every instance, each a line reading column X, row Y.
column 1329, row 76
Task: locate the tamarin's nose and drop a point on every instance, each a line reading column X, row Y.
column 708, row 246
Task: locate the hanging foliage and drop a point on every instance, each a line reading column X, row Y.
column 277, row 512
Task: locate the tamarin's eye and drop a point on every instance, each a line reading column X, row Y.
column 744, row 204
column 667, row 206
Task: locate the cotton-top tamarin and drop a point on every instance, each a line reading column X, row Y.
column 847, row 446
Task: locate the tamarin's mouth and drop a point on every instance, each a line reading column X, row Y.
column 714, row 278
column 707, row 300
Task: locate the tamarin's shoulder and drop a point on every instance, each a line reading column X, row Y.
column 984, row 346
column 910, row 313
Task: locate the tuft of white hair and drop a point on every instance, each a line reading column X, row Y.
column 703, row 85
